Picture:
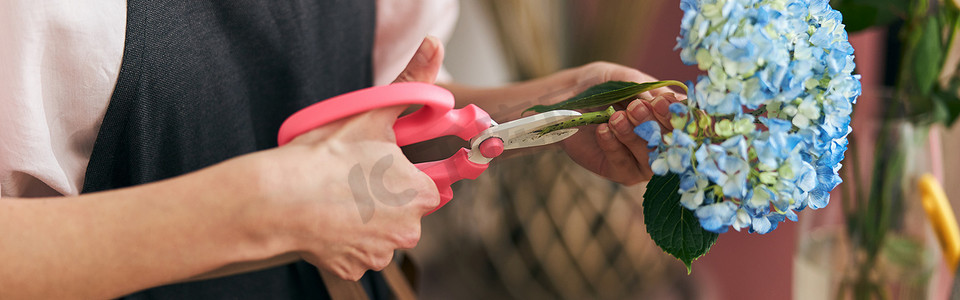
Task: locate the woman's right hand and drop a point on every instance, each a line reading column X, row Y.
column 347, row 196
column 350, row 195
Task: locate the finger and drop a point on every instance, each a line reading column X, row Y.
column 659, row 91
column 344, row 269
column 623, row 73
column 374, row 124
column 620, row 166
column 410, row 237
column 425, row 64
column 428, row 194
column 662, row 91
column 383, row 117
column 423, row 67
column 660, row 106
column 639, row 111
column 623, row 130
column 380, row 260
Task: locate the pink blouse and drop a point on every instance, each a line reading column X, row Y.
column 59, row 62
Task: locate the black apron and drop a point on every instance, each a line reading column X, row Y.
column 204, row 81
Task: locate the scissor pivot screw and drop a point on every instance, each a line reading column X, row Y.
column 491, row 147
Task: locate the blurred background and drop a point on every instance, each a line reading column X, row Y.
column 540, row 227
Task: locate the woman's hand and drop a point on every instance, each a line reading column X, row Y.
column 367, row 198
column 350, row 196
column 612, row 150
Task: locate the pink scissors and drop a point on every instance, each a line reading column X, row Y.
column 435, row 119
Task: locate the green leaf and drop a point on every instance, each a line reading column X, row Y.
column 858, row 16
column 671, row 226
column 863, row 14
column 927, row 58
column 947, row 102
column 893, row 7
column 604, row 94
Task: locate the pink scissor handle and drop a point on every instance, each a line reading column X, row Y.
column 446, row 172
column 431, row 122
column 435, row 119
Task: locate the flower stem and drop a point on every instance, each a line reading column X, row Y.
column 598, row 117
column 759, row 111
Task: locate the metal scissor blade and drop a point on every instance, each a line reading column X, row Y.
column 534, row 139
column 524, row 132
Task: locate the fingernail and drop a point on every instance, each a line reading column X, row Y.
column 671, row 97
column 605, row 133
column 661, row 106
column 618, row 123
column 633, row 104
column 678, row 97
column 603, row 130
column 637, row 111
column 428, row 49
column 617, row 118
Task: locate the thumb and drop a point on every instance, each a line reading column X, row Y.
column 425, row 64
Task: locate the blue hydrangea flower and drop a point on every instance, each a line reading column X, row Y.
column 763, row 132
column 650, row 132
column 717, row 217
column 691, row 190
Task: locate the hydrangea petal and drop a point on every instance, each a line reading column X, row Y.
column 649, row 131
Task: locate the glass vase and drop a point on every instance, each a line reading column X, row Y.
column 873, row 241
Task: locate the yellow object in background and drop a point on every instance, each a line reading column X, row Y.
column 941, row 217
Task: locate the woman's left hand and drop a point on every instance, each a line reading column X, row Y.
column 612, row 150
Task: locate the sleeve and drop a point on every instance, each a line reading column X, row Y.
column 401, row 26
column 59, row 61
